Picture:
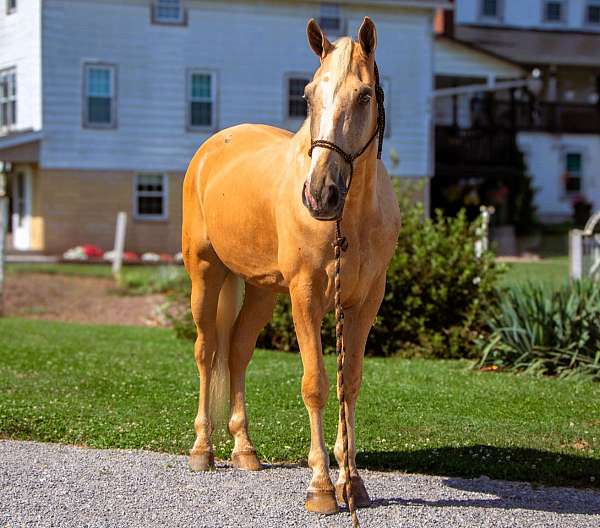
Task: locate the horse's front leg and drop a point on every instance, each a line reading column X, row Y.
column 308, row 311
column 357, row 324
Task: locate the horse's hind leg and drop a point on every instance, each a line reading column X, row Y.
column 255, row 313
column 207, row 277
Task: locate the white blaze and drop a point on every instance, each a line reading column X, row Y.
column 326, row 125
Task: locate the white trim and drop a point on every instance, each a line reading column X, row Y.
column 490, row 86
column 165, row 197
column 213, row 100
column 22, row 234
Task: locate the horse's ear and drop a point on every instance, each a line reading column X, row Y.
column 367, row 36
column 317, row 39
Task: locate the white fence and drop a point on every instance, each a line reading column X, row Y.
column 584, row 250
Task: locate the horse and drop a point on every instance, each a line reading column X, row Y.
column 258, row 217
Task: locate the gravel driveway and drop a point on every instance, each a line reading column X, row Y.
column 61, row 486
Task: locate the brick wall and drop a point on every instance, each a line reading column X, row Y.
column 80, row 207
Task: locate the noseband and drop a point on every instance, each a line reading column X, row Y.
column 379, row 130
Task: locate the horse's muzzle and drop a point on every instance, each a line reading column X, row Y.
column 328, row 208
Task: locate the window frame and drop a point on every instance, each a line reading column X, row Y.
column 85, row 122
column 13, row 95
column 489, row 18
column 341, row 31
column 586, row 18
column 181, row 21
column 10, row 10
column 566, row 154
column 287, row 118
column 564, row 13
column 165, row 196
column 214, row 100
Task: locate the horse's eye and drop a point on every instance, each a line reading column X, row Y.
column 364, row 98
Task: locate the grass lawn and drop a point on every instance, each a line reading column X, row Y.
column 129, row 387
column 550, row 271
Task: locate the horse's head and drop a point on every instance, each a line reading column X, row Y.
column 342, row 111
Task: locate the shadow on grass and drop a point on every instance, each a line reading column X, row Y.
column 505, row 463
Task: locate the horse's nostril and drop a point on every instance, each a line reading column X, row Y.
column 333, row 197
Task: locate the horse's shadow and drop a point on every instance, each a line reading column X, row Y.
column 542, row 496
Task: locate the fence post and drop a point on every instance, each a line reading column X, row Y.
column 3, row 229
column 119, row 244
column 575, row 254
column 482, row 232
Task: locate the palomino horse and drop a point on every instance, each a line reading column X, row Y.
column 252, row 201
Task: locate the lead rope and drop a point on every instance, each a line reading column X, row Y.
column 341, row 244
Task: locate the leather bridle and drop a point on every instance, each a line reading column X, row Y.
column 379, row 131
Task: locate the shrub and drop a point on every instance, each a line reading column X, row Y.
column 436, row 300
column 548, row 332
column 437, row 292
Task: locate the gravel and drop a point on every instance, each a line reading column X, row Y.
column 63, row 486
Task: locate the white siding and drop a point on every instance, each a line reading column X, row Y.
column 20, row 45
column 457, row 60
column 251, row 46
column 544, row 155
column 523, row 13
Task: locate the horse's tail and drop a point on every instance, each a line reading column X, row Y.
column 228, row 309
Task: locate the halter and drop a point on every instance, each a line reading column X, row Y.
column 379, row 130
column 340, row 244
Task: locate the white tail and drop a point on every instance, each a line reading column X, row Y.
column 228, row 308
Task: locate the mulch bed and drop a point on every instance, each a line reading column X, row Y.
column 77, row 299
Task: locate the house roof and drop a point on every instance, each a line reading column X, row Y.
column 535, row 47
column 464, row 59
column 22, row 137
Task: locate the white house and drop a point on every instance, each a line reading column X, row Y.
column 104, row 102
column 561, row 137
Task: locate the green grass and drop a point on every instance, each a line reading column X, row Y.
column 132, row 387
column 72, row 269
column 551, row 272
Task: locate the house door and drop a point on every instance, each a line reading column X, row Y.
column 21, row 208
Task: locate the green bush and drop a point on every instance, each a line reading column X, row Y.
column 549, row 332
column 437, row 294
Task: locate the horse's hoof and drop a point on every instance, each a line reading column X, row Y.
column 321, row 501
column 359, row 492
column 246, row 460
column 202, row 461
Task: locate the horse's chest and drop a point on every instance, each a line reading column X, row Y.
column 363, row 264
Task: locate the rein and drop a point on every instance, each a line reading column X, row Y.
column 341, row 244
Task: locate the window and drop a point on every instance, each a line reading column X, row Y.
column 8, row 98
column 11, row 6
column 296, row 105
column 573, row 172
column 168, row 12
column 592, row 13
column 99, row 96
column 330, row 20
column 150, row 197
column 202, row 107
column 490, row 8
column 554, row 11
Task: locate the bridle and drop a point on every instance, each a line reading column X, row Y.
column 341, row 244
column 379, row 131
